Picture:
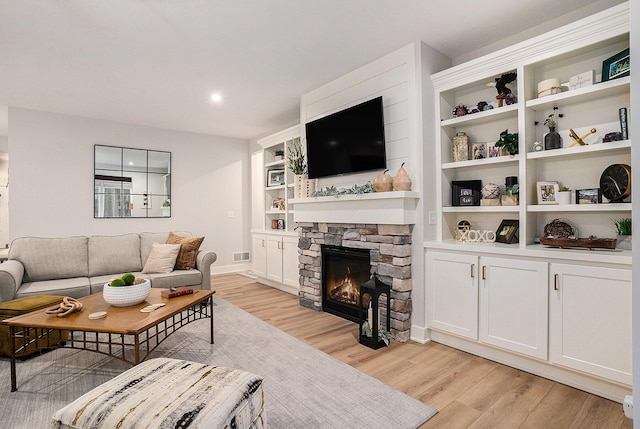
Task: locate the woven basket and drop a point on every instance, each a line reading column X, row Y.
column 125, row 296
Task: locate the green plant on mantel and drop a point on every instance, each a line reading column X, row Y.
column 332, row 191
column 623, row 226
column 563, row 189
column 295, row 158
column 508, row 141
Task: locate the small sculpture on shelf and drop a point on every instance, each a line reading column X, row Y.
column 501, row 86
column 579, row 140
column 490, row 195
column 460, row 110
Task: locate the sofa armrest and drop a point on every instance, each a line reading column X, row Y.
column 11, row 273
column 203, row 263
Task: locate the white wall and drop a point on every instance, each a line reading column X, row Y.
column 51, row 173
column 402, row 78
column 4, row 191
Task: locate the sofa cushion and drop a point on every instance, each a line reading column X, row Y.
column 76, row 288
column 188, row 250
column 51, row 258
column 177, row 278
column 162, row 258
column 116, row 254
column 148, row 238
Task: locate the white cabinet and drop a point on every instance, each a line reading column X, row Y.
column 513, row 305
column 452, row 293
column 275, row 260
column 259, row 255
column 290, row 270
column 590, row 320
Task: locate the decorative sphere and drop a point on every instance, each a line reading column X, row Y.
column 490, row 191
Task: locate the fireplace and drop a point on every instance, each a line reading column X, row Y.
column 343, row 271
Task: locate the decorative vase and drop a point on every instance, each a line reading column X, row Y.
column 460, row 147
column 125, row 296
column 552, row 140
column 302, row 186
column 564, row 197
column 624, row 242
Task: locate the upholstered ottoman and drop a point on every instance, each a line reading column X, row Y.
column 20, row 306
column 170, row 393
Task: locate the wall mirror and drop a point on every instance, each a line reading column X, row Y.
column 131, row 183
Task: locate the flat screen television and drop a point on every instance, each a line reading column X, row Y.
column 348, row 141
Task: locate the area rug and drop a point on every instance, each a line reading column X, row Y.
column 304, row 387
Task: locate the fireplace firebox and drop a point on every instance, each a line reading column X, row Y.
column 343, row 271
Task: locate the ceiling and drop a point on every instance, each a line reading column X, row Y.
column 157, row 62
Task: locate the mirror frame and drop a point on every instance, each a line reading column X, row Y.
column 117, row 176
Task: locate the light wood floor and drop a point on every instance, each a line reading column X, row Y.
column 468, row 391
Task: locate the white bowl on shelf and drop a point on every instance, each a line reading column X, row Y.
column 125, row 296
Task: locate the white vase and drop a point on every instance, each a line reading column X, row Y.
column 624, row 242
column 302, row 186
column 564, row 197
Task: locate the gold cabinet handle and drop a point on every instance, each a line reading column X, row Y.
column 473, row 268
column 263, row 242
column 484, row 272
column 555, row 282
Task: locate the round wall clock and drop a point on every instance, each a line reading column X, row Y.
column 615, row 182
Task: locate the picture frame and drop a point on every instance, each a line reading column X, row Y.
column 616, row 66
column 275, row 177
column 479, row 150
column 493, row 151
column 507, row 232
column 280, row 224
column 466, row 200
column 547, row 193
column 277, row 204
column 466, row 188
column 589, row 196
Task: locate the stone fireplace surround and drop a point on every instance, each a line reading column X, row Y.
column 390, row 255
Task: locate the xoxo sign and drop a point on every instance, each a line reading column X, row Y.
column 474, row 235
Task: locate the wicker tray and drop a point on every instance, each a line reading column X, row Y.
column 589, row 243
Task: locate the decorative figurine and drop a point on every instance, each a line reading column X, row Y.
column 490, row 195
column 579, row 140
column 612, row 137
column 501, row 86
column 460, row 110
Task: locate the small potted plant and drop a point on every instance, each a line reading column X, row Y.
column 509, row 141
column 279, row 154
column 623, row 228
column 564, row 195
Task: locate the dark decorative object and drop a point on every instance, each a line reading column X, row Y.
column 510, row 99
column 612, row 137
column 371, row 334
column 559, row 229
column 465, row 188
column 616, row 66
column 509, row 141
column 508, row 231
column 481, row 105
column 552, row 140
column 589, row 243
column 502, row 81
column 615, row 182
column 460, row 110
column 622, row 112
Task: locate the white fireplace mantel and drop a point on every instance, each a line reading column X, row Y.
column 393, row 208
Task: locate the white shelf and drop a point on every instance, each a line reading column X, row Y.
column 581, row 208
column 588, row 150
column 279, row 163
column 593, row 92
column 482, row 117
column 273, row 188
column 275, row 212
column 482, row 162
column 481, row 209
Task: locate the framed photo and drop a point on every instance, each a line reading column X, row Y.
column 508, row 231
column 275, row 177
column 616, row 66
column 277, row 204
column 589, row 196
column 479, row 150
column 547, row 192
column 492, row 150
column 470, row 189
column 280, row 223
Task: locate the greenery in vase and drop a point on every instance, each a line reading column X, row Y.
column 295, row 158
column 550, row 122
column 332, row 191
column 623, row 226
column 563, row 189
column 508, row 141
column 279, row 153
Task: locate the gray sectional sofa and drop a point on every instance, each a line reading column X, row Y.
column 79, row 266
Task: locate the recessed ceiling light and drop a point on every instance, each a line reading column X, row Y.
column 216, row 97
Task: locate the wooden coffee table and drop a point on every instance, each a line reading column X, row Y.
column 126, row 333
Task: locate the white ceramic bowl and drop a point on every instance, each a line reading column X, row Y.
column 124, row 296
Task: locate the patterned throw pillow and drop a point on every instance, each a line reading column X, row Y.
column 188, row 250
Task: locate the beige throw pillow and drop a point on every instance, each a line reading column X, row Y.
column 188, row 250
column 161, row 259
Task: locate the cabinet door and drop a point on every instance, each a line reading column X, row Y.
column 513, row 305
column 590, row 320
column 259, row 255
column 290, row 272
column 452, row 293
column 274, row 258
